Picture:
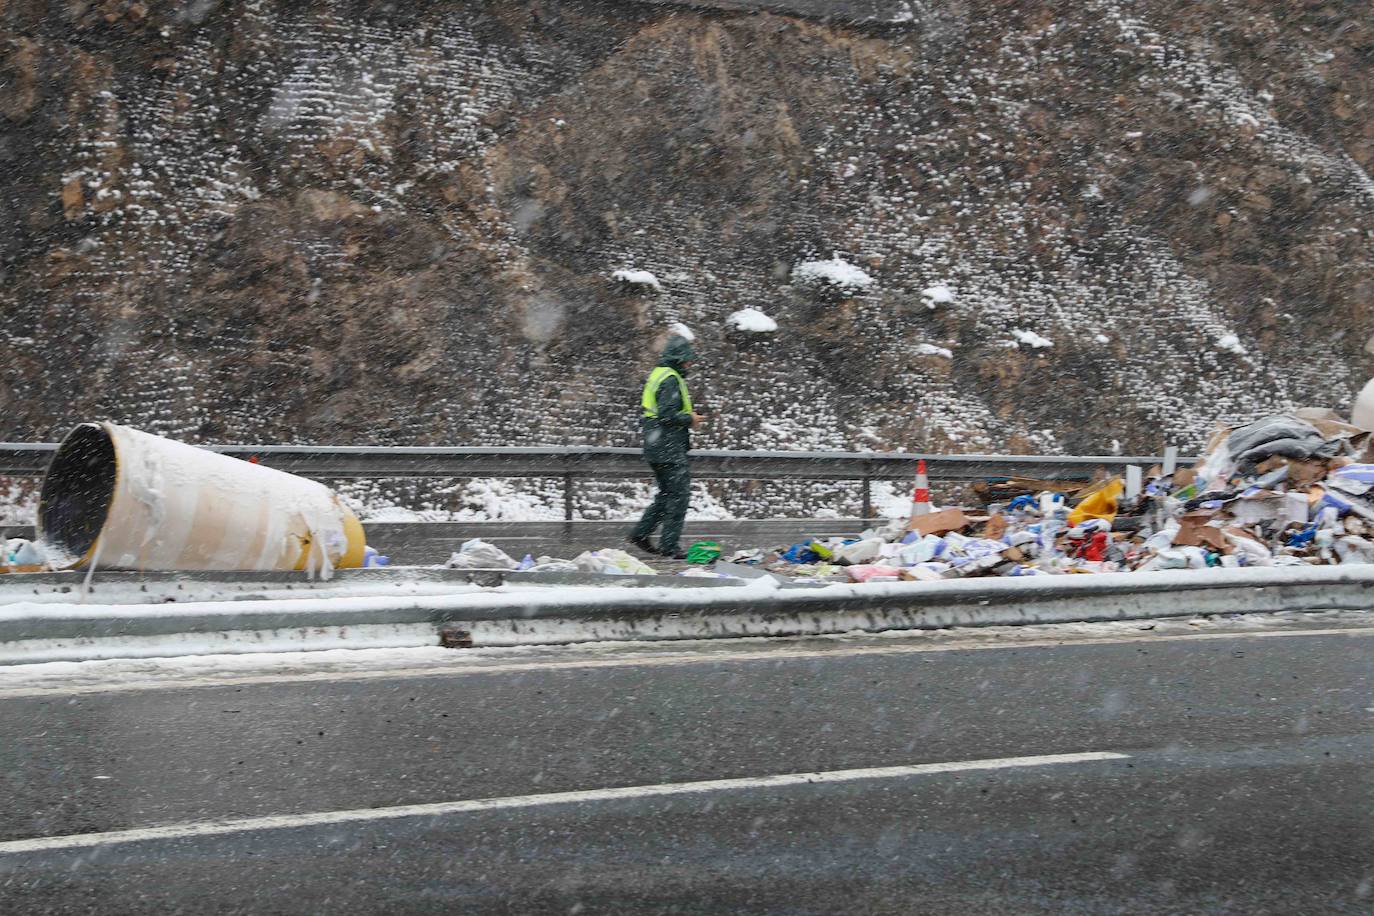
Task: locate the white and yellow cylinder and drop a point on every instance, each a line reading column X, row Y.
column 1362, row 413
column 117, row 498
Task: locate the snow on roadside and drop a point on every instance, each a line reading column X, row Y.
column 18, row 503
column 523, row 599
column 345, row 664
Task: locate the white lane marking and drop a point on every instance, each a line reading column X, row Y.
column 175, row 680
column 323, row 818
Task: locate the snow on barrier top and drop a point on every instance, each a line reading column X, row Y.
column 527, row 615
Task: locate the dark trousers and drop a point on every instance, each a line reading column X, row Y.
column 669, row 507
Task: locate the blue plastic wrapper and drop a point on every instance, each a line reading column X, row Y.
column 1363, row 473
column 801, row 554
column 1304, row 537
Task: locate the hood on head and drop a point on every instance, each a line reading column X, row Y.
column 677, row 351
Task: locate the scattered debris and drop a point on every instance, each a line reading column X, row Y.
column 1289, row 490
column 20, row 555
column 703, row 552
column 612, row 562
column 478, row 554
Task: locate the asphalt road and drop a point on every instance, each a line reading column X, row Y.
column 1240, row 782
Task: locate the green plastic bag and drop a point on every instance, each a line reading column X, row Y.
column 703, row 552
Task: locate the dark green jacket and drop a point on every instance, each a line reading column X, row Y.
column 667, row 437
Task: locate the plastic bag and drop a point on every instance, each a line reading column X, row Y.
column 478, row 554
column 703, row 552
column 1354, row 549
column 612, row 562
column 550, row 565
column 1282, row 435
column 20, row 555
column 870, row 572
column 1102, row 504
column 923, row 550
column 858, row 552
column 801, row 555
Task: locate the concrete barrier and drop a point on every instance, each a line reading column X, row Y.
column 520, row 615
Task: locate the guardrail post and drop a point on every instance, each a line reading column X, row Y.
column 568, row 497
column 868, row 498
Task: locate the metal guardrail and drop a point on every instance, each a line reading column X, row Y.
column 585, row 462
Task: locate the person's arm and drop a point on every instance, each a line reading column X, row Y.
column 670, row 412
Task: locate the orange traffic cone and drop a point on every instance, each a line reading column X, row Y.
column 920, row 497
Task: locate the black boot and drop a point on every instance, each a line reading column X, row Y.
column 641, row 543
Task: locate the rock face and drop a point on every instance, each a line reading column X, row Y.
column 353, row 222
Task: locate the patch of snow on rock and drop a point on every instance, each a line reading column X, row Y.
column 834, row 272
column 937, row 295
column 926, row 349
column 638, row 278
column 752, row 321
column 1231, row 344
column 1031, row 339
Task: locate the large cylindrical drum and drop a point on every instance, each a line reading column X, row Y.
column 1362, row 414
column 118, row 498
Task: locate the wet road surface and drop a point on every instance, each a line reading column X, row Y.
column 1240, row 781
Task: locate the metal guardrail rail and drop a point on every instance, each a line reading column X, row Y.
column 573, row 463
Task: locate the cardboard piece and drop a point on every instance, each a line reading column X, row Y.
column 1195, row 532
column 1245, row 533
column 995, row 528
column 1304, row 472
column 1015, row 486
column 1330, row 425
column 942, row 522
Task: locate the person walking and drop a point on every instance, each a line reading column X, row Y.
column 667, row 420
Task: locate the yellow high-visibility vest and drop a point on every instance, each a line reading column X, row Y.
column 649, row 400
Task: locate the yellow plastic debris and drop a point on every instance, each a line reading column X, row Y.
column 1101, row 504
